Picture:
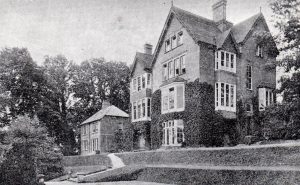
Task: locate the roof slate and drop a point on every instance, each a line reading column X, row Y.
column 108, row 111
column 241, row 29
column 144, row 59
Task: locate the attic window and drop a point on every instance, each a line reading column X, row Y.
column 179, row 38
column 259, row 51
column 174, row 42
column 168, row 45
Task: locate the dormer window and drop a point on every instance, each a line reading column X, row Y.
column 168, row 45
column 259, row 51
column 225, row 61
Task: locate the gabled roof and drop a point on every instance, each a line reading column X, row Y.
column 200, row 28
column 108, row 111
column 241, row 30
column 205, row 30
column 144, row 59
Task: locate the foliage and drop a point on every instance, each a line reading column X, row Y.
column 55, row 111
column 21, row 83
column 31, row 152
column 202, row 125
column 118, row 140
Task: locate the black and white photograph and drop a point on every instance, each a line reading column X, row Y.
column 150, row 92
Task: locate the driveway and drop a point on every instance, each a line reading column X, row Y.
column 106, row 183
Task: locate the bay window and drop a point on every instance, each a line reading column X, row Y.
column 173, row 98
column 173, row 133
column 265, row 97
column 225, row 96
column 225, row 61
column 141, row 110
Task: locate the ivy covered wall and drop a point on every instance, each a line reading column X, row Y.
column 203, row 126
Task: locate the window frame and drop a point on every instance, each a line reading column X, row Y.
column 224, row 100
column 249, row 77
column 170, row 132
column 225, row 61
column 169, row 68
column 165, row 96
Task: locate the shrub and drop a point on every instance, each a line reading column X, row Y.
column 31, row 152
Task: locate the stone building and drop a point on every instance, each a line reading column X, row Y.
column 229, row 57
column 97, row 132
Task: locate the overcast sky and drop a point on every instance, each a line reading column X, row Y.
column 113, row 29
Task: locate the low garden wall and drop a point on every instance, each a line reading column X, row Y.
column 247, row 156
column 90, row 160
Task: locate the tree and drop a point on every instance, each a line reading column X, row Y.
column 287, row 16
column 55, row 102
column 21, row 82
column 31, row 152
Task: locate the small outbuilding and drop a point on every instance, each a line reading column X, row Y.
column 97, row 132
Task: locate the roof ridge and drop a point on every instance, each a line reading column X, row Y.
column 191, row 13
column 258, row 14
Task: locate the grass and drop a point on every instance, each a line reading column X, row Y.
column 268, row 156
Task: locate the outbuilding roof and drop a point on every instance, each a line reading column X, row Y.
column 108, row 111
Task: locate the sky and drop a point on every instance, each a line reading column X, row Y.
column 113, row 29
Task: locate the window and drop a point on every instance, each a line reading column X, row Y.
column 216, row 94
column 177, row 66
column 134, row 84
column 171, row 69
column 84, row 129
column 95, row 127
column 182, row 64
column 148, row 79
column 85, row 145
column 265, row 98
column 174, row 42
column 180, row 38
column 165, row 72
column 139, row 110
column 248, row 107
column 173, row 98
column 134, row 111
column 149, row 107
column 222, row 58
column 174, row 67
column 173, row 133
column 225, row 61
column 259, row 51
column 168, row 45
column 144, row 108
column 95, row 144
column 143, row 82
column 249, row 77
column 139, row 83
column 225, row 96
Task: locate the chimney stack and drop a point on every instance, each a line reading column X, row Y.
column 148, row 49
column 219, row 10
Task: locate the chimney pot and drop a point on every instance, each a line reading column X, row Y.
column 148, row 49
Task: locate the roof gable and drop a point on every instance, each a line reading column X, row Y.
column 143, row 59
column 224, row 38
column 108, row 111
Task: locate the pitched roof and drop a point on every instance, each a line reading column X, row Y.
column 200, row 28
column 241, row 30
column 142, row 58
column 108, row 111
